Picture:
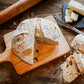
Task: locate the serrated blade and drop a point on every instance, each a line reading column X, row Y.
column 62, row 23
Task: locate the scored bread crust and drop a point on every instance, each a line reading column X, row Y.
column 31, row 31
column 78, row 43
column 70, row 71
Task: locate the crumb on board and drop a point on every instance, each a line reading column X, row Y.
column 14, row 23
column 62, row 65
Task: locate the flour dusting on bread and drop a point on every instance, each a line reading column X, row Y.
column 29, row 33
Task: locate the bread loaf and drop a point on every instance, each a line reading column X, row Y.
column 78, row 43
column 29, row 33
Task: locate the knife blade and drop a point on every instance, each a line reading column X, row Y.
column 62, row 23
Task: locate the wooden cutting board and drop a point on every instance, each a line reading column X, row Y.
column 46, row 53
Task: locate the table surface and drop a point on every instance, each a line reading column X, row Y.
column 50, row 73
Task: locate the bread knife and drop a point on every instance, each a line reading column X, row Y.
column 62, row 23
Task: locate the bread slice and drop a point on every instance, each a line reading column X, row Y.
column 78, row 43
column 70, row 71
column 79, row 59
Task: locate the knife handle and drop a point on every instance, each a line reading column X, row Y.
column 16, row 9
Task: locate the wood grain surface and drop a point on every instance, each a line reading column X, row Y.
column 15, row 9
column 50, row 73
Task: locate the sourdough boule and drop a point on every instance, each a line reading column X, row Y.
column 29, row 33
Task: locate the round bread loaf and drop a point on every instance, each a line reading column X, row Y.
column 31, row 31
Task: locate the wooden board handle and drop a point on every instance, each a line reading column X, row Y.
column 16, row 9
column 4, row 56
